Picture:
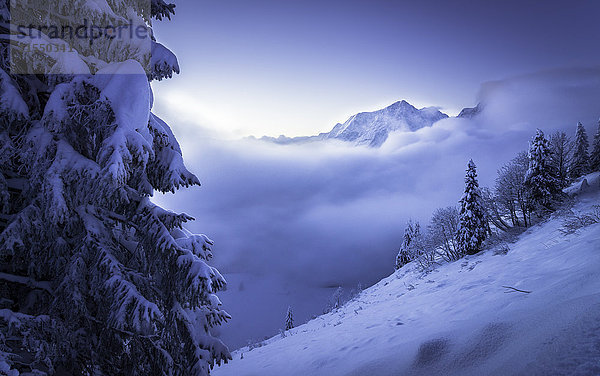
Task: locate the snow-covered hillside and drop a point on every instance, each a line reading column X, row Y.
column 373, row 128
column 460, row 319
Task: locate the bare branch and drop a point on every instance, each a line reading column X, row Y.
column 515, row 290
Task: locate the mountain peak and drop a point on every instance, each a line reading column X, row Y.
column 373, row 128
column 404, row 103
column 400, row 103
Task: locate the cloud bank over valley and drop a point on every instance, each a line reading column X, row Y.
column 291, row 222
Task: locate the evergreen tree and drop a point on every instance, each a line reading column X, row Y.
column 581, row 159
column 595, row 155
column 472, row 223
column 289, row 319
column 411, row 246
column 95, row 279
column 540, row 183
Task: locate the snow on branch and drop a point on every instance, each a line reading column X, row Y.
column 27, row 281
column 163, row 62
column 167, row 171
column 208, row 350
column 161, row 10
column 130, row 308
column 11, row 101
column 171, row 220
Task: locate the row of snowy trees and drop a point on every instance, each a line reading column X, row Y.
column 95, row 279
column 451, row 233
column 530, row 184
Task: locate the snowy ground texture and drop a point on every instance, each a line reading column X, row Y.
column 459, row 319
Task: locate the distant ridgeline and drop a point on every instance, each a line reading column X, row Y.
column 373, row 128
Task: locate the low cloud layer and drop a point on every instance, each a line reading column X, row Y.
column 326, row 214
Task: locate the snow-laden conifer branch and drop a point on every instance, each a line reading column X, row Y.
column 132, row 290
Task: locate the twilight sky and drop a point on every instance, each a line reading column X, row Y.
column 298, row 67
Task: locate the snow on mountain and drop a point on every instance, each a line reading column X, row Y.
column 460, row 319
column 470, row 112
column 373, row 128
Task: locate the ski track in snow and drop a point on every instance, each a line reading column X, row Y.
column 458, row 319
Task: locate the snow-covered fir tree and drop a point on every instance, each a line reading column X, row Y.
column 540, row 183
column 595, row 154
column 473, row 226
column 95, row 279
column 581, row 160
column 289, row 319
column 412, row 244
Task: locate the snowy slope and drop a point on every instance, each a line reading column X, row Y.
column 589, row 182
column 459, row 320
column 373, row 128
